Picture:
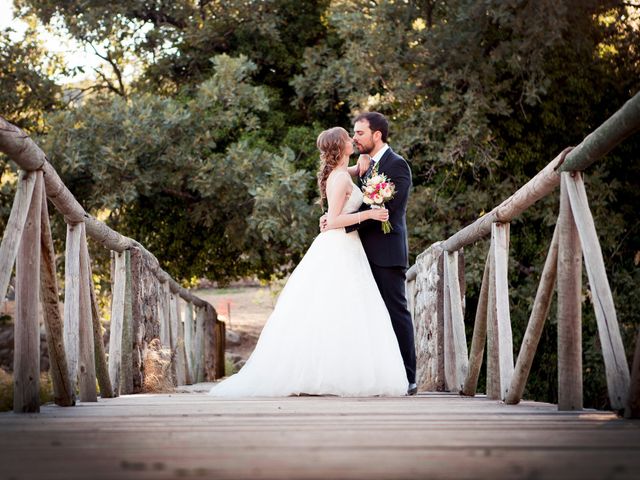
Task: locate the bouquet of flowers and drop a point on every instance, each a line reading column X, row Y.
column 377, row 190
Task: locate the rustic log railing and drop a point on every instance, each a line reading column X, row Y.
column 437, row 304
column 146, row 302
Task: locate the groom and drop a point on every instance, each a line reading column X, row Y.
column 387, row 253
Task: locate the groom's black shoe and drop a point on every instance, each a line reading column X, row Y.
column 412, row 390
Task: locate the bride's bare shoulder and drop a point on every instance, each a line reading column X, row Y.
column 339, row 180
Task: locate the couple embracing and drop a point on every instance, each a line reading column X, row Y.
column 341, row 324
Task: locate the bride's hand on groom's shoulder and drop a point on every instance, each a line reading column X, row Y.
column 323, row 223
column 363, row 164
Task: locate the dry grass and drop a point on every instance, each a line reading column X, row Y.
column 6, row 390
column 158, row 377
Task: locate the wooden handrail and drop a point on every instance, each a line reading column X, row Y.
column 622, row 124
column 75, row 341
column 28, row 156
column 575, row 232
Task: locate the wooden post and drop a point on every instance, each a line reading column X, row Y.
column 15, row 226
column 126, row 365
column 189, row 336
column 72, row 301
column 493, row 359
column 199, row 345
column 479, row 334
column 117, row 320
column 441, row 387
column 569, row 308
column 140, row 298
column 220, row 348
column 177, row 339
column 87, row 371
column 455, row 339
column 163, row 315
column 449, row 347
column 102, row 366
column 26, row 355
column 427, row 288
column 62, row 393
column 213, row 344
column 615, row 361
column 500, row 231
column 539, row 314
column 633, row 404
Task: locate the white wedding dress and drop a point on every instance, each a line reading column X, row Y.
column 330, row 332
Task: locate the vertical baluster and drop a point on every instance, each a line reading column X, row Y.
column 569, row 308
column 26, row 363
column 87, row 365
column 72, row 301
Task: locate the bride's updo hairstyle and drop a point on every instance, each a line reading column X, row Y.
column 331, row 144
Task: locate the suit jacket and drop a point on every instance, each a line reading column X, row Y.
column 391, row 249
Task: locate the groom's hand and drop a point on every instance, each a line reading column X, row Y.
column 323, row 222
column 364, row 161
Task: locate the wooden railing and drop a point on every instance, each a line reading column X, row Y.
column 435, row 291
column 146, row 301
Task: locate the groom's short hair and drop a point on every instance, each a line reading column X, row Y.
column 377, row 122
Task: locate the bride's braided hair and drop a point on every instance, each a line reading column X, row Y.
column 331, row 144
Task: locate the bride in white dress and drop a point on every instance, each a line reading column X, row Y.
column 330, row 332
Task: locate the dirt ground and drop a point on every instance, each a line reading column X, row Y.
column 245, row 311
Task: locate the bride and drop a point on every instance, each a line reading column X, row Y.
column 330, row 332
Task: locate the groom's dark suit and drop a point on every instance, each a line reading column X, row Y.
column 388, row 254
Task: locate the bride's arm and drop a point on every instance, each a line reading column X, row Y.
column 337, row 189
column 360, row 168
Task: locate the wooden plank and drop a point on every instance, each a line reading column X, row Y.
column 53, row 322
column 479, row 334
column 72, row 301
column 117, row 319
column 428, row 436
column 449, row 346
column 617, row 369
column 500, row 232
column 199, row 345
column 177, row 337
column 493, row 358
column 102, row 366
column 189, row 339
column 461, row 359
column 188, row 378
column 15, row 226
column 87, row 370
column 569, row 307
column 141, row 332
column 441, row 387
column 220, row 348
column 126, row 364
column 539, row 314
column 26, row 353
column 163, row 315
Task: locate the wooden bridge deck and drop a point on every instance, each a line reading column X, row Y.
column 191, row 435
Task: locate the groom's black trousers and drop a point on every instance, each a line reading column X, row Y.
column 391, row 283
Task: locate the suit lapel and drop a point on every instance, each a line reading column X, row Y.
column 384, row 158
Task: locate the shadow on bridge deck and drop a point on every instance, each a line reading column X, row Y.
column 434, row 435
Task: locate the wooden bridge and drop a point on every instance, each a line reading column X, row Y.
column 436, row 435
column 459, row 434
